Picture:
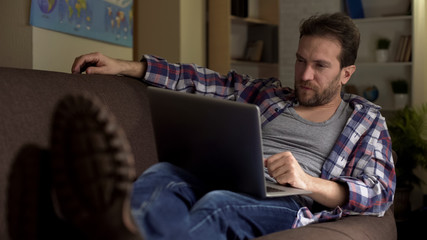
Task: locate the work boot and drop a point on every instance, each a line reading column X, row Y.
column 92, row 169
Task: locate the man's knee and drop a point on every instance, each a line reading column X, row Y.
column 161, row 167
column 219, row 199
column 219, row 195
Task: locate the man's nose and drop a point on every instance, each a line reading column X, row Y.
column 308, row 73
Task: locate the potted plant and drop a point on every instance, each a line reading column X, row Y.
column 400, row 91
column 408, row 130
column 382, row 49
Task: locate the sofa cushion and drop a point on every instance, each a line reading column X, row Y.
column 351, row 227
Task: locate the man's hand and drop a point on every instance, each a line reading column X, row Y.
column 97, row 63
column 286, row 170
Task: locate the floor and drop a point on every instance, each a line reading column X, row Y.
column 415, row 227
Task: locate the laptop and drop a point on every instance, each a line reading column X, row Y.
column 216, row 140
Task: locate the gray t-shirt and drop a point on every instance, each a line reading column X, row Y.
column 309, row 142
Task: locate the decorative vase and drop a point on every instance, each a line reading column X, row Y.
column 371, row 93
column 400, row 100
column 382, row 55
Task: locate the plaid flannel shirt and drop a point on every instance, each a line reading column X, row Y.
column 360, row 158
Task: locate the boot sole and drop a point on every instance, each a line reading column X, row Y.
column 92, row 164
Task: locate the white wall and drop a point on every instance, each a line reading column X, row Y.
column 56, row 51
column 15, row 36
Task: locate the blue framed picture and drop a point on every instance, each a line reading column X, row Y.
column 104, row 20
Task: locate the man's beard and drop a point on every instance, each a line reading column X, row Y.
column 320, row 97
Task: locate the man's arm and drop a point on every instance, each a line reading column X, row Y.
column 286, row 170
column 372, row 190
column 362, row 159
column 266, row 93
column 97, row 63
column 158, row 72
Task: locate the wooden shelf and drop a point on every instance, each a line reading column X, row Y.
column 383, row 64
column 385, row 19
column 253, row 63
column 382, row 19
column 235, row 19
column 229, row 35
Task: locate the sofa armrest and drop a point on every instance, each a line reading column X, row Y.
column 351, row 227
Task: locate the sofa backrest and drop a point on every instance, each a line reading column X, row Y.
column 27, row 100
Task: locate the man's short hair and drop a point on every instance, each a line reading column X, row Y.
column 340, row 27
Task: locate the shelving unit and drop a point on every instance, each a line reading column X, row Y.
column 249, row 20
column 383, row 19
column 381, row 23
column 383, row 64
column 229, row 35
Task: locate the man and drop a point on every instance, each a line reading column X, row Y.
column 336, row 146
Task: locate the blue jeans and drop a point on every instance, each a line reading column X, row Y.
column 169, row 203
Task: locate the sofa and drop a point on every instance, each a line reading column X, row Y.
column 28, row 97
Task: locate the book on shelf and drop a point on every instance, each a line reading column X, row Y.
column 268, row 34
column 404, row 49
column 254, row 50
column 239, row 8
column 354, row 8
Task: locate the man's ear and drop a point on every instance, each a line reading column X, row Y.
column 346, row 73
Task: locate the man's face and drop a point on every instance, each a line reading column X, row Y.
column 318, row 75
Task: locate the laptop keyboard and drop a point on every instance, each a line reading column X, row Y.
column 272, row 190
